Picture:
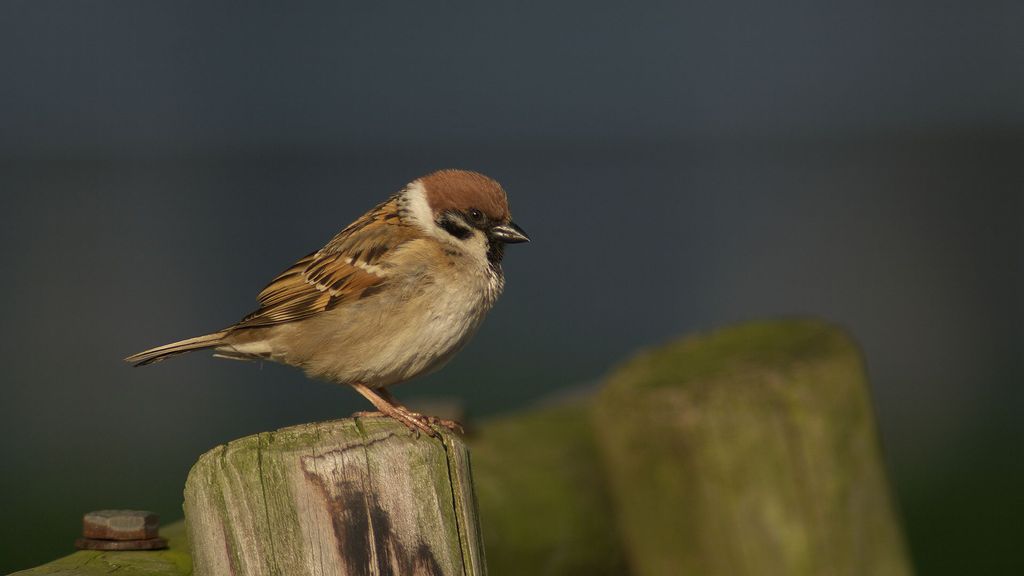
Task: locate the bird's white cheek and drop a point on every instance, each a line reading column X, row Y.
column 476, row 246
column 419, row 210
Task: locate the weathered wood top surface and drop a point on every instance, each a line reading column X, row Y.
column 344, row 497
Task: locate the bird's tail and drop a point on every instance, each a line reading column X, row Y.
column 160, row 352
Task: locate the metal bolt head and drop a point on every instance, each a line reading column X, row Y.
column 94, row 544
column 120, row 525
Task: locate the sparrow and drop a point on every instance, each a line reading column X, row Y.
column 394, row 295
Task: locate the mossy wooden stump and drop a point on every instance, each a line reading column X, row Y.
column 751, row 450
column 355, row 496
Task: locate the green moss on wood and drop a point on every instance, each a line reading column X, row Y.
column 174, row 561
column 350, row 495
column 702, row 358
column 751, row 450
column 543, row 501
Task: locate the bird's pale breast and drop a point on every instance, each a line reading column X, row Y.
column 413, row 327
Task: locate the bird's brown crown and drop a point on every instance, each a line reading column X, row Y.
column 463, row 190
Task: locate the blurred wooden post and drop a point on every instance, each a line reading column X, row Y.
column 749, row 451
column 544, row 503
column 355, row 496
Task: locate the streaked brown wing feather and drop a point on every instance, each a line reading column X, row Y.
column 284, row 285
column 351, row 266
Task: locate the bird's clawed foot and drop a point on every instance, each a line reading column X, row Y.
column 449, row 424
column 416, row 422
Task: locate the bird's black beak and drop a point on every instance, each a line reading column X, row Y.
column 509, row 233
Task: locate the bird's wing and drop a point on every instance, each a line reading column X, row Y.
column 352, row 266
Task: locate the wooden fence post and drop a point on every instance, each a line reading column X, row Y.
column 748, row 451
column 347, row 497
column 544, row 502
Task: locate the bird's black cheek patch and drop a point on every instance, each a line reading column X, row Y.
column 495, row 251
column 455, row 229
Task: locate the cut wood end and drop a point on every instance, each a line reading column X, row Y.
column 766, row 345
column 351, row 493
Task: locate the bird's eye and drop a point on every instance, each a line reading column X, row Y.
column 476, row 215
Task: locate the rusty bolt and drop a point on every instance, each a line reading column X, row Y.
column 120, row 530
column 120, row 525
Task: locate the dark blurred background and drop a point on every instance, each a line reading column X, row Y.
column 680, row 166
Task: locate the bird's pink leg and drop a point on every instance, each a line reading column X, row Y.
column 387, row 405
